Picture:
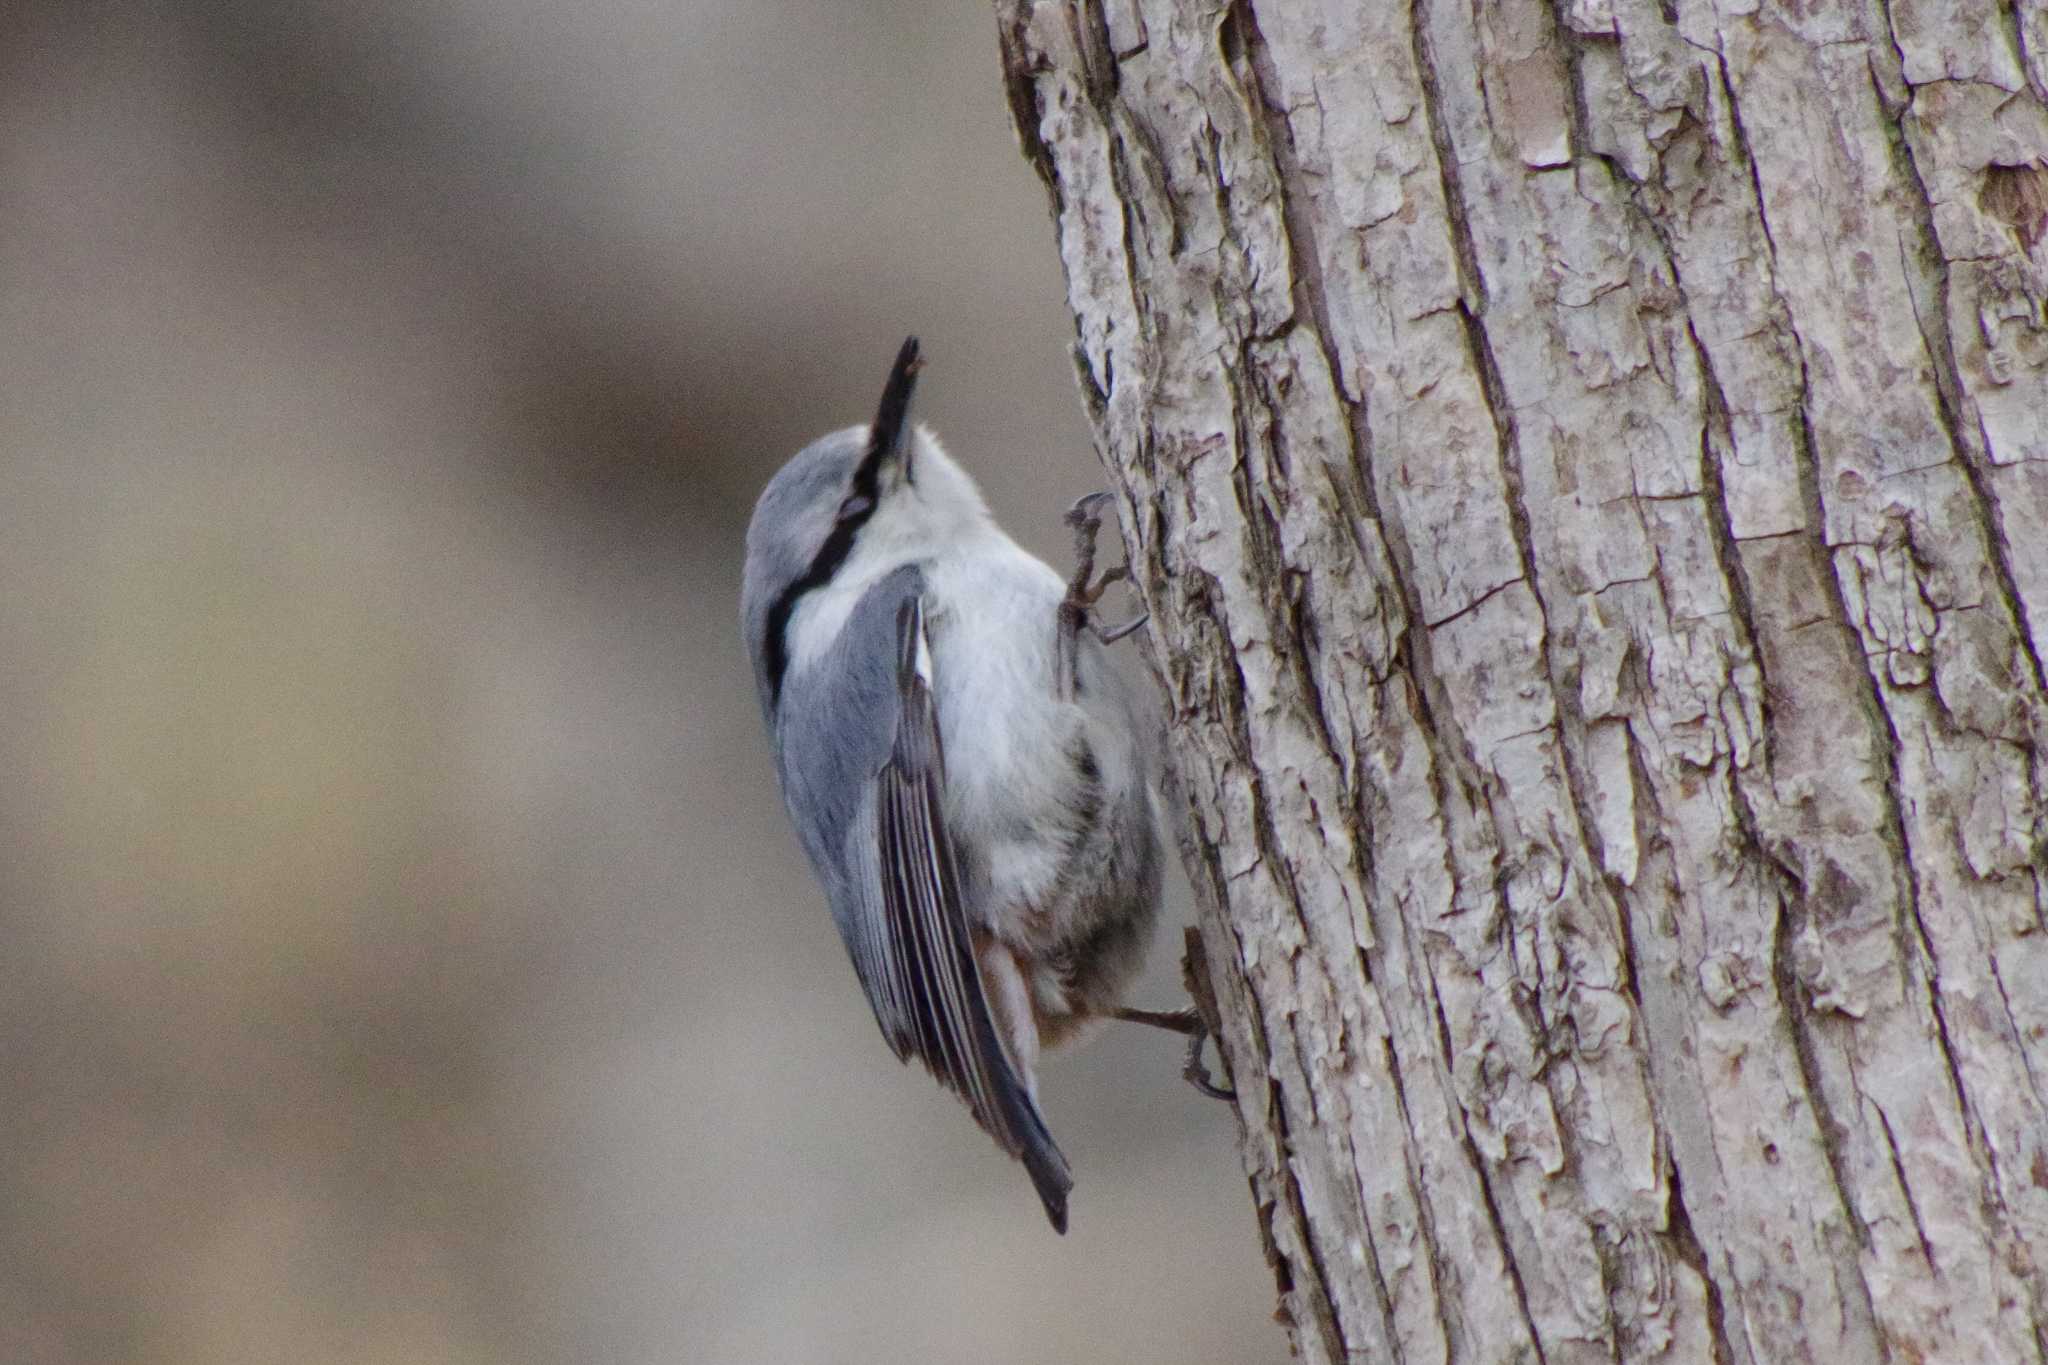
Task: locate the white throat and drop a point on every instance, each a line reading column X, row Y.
column 938, row 515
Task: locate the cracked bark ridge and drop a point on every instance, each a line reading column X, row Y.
column 1587, row 465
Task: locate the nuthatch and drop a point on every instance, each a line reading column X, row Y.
column 964, row 767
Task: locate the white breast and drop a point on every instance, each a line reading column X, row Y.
column 1008, row 734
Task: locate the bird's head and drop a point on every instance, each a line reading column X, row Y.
column 856, row 503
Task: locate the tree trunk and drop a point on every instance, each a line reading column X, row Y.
column 1588, row 469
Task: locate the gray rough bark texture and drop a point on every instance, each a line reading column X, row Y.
column 1588, row 468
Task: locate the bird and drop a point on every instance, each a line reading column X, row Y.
column 963, row 765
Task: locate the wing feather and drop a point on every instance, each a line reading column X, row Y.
column 919, row 965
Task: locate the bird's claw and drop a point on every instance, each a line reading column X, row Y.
column 1084, row 589
column 1197, row 1072
column 1083, row 514
column 1085, row 517
column 1189, row 1022
column 1109, row 635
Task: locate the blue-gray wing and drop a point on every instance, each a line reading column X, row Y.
column 897, row 897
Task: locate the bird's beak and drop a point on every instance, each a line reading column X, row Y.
column 889, row 436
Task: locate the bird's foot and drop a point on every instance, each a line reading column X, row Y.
column 1084, row 589
column 1085, row 517
column 1190, row 1023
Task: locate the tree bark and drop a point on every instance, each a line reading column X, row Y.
column 1588, row 469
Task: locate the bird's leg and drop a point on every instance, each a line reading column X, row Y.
column 1185, row 1022
column 1084, row 589
column 1087, row 522
column 1188, row 1022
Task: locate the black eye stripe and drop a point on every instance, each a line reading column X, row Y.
column 830, row 556
column 884, row 433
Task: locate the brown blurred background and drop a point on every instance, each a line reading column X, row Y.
column 404, row 957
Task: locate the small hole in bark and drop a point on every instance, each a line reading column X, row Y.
column 1232, row 36
column 2018, row 197
column 1771, row 1153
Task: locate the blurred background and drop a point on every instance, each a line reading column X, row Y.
column 403, row 957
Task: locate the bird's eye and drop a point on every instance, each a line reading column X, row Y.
column 856, row 505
